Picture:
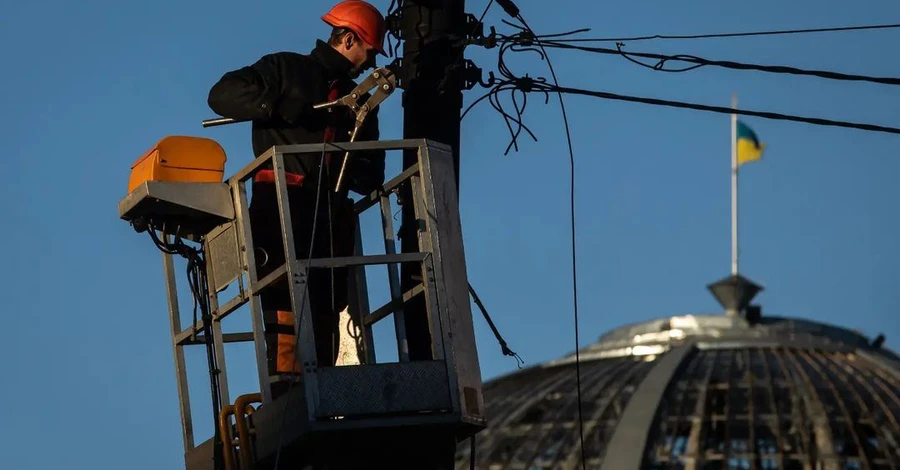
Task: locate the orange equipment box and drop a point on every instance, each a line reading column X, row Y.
column 180, row 159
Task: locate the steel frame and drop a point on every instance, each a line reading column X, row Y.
column 444, row 286
column 805, row 403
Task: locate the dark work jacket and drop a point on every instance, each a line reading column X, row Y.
column 277, row 93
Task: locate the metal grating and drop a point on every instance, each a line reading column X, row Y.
column 383, row 388
column 534, row 418
column 224, row 253
column 782, row 394
column 778, row 408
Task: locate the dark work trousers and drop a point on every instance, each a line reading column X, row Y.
column 326, row 288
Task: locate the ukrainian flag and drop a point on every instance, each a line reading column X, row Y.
column 748, row 146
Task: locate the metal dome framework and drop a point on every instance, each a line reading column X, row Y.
column 702, row 392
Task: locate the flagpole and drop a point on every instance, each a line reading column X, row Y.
column 734, row 189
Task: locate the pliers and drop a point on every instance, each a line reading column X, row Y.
column 383, row 82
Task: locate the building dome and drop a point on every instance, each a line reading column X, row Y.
column 702, row 392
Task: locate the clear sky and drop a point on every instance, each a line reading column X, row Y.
column 87, row 86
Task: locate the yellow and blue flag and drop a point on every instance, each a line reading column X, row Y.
column 748, row 146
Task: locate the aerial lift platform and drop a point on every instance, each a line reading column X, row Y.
column 366, row 415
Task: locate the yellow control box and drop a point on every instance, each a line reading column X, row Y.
column 180, row 159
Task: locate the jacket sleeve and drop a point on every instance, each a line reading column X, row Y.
column 367, row 168
column 258, row 92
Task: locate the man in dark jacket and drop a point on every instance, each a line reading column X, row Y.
column 278, row 93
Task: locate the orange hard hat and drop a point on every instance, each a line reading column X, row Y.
column 360, row 17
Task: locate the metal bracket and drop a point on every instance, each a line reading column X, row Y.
column 473, row 27
column 465, row 74
column 396, row 67
column 393, row 22
column 472, row 75
column 473, row 33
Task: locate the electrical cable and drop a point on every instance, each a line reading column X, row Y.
column 480, row 20
column 199, row 284
column 574, row 251
column 503, row 347
column 492, row 97
column 505, row 3
column 512, row 10
column 526, row 84
column 726, row 110
column 740, row 34
column 701, row 62
column 312, row 240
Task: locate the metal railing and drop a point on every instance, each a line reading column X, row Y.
column 448, row 386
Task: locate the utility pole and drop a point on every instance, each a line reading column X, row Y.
column 431, row 31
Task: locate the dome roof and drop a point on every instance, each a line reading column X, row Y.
column 701, row 392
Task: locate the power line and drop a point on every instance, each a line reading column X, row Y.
column 701, row 62
column 524, row 85
column 739, row 34
column 723, row 110
column 530, row 85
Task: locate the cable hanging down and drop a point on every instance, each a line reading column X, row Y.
column 503, row 346
column 199, row 286
column 513, row 11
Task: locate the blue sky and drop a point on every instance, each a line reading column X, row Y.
column 88, row 86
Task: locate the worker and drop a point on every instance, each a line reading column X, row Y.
column 277, row 93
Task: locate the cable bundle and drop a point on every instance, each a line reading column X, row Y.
column 199, row 285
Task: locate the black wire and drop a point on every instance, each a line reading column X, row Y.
column 481, row 18
column 532, row 85
column 529, row 84
column 199, row 286
column 312, row 240
column 509, row 84
column 741, row 34
column 503, row 347
column 574, row 250
column 725, row 110
column 701, row 62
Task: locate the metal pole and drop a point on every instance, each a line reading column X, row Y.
column 734, row 190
